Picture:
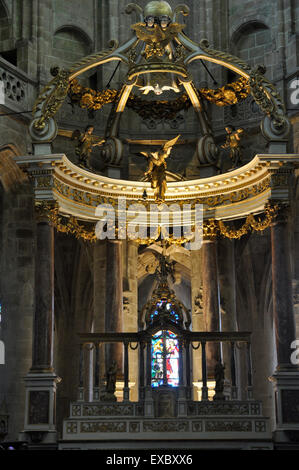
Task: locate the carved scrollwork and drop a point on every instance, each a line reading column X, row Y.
column 269, row 100
column 43, row 126
column 181, row 8
column 136, row 8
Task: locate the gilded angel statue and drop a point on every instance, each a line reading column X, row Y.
column 156, row 171
column 233, row 143
column 86, row 140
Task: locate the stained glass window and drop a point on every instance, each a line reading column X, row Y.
column 165, row 359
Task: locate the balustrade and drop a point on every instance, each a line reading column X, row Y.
column 17, row 88
column 141, row 342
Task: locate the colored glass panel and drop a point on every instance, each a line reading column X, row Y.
column 165, row 359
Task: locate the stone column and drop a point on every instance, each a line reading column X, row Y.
column 227, row 287
column 211, row 293
column 42, row 353
column 130, row 307
column 40, row 419
column 284, row 320
column 114, row 299
column 286, row 376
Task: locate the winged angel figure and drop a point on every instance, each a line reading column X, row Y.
column 156, row 171
column 86, row 141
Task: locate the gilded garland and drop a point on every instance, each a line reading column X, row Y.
column 258, row 224
column 158, row 109
column 211, row 228
column 71, row 226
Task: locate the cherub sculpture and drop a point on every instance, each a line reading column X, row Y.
column 156, row 172
column 85, row 143
column 156, row 34
column 233, row 142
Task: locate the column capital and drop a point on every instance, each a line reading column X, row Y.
column 279, row 212
column 44, row 210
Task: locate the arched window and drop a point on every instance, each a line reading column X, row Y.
column 165, row 359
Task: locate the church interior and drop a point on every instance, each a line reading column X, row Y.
column 149, row 288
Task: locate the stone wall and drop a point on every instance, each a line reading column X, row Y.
column 17, row 288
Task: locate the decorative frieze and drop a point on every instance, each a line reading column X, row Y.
column 222, row 409
column 260, row 426
column 197, row 426
column 165, row 426
column 108, row 410
column 228, row 426
column 72, row 428
column 103, row 426
column 76, row 410
column 134, row 427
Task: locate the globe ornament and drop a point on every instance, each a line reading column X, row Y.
column 157, row 9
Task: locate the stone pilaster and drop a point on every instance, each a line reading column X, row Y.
column 130, row 307
column 114, row 300
column 286, row 377
column 284, row 321
column 227, row 287
column 210, row 283
column 42, row 354
column 40, row 404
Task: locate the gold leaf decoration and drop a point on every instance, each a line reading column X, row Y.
column 159, row 109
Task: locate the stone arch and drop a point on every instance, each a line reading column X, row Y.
column 251, row 41
column 70, row 43
column 2, row 353
column 10, row 173
column 5, row 29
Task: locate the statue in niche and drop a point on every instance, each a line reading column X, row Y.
column 219, row 381
column 233, row 143
column 156, row 171
column 86, row 141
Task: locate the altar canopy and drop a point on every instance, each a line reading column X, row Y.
column 162, row 247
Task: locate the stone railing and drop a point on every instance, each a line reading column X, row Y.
column 141, row 341
column 17, row 90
